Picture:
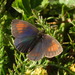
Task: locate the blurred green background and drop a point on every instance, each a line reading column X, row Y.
column 57, row 17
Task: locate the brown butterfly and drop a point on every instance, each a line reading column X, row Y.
column 28, row 39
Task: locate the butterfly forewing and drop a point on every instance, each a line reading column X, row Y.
column 24, row 34
column 51, row 46
column 22, row 27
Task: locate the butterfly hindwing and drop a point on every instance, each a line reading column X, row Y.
column 37, row 52
column 22, row 44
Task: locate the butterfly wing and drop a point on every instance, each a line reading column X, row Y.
column 48, row 47
column 51, row 46
column 37, row 52
column 24, row 34
column 20, row 27
column 23, row 44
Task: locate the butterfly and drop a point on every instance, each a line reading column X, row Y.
column 28, row 39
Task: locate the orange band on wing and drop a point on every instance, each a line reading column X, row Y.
column 20, row 26
column 53, row 47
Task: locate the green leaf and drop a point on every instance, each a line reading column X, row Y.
column 27, row 6
column 35, row 3
column 72, row 30
column 23, row 7
column 69, row 3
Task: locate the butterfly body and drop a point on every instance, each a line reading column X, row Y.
column 28, row 39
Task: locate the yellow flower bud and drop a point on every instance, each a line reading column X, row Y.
column 72, row 67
